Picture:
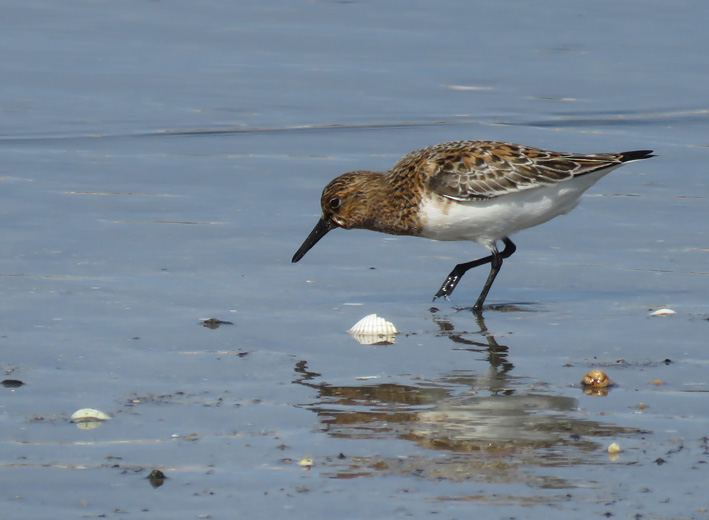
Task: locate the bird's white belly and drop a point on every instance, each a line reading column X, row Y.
column 490, row 220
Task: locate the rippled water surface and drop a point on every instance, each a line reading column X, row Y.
column 161, row 163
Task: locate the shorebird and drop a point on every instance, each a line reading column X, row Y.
column 482, row 191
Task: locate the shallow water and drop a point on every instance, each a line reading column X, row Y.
column 161, row 163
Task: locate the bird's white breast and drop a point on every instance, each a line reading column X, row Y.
column 486, row 221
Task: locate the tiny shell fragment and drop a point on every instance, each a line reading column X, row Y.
column 663, row 312
column 89, row 415
column 372, row 330
column 306, row 462
column 614, row 448
column 597, row 379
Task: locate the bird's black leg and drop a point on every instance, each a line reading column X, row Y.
column 459, row 270
column 495, row 265
column 456, row 274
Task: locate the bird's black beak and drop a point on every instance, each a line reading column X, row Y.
column 319, row 231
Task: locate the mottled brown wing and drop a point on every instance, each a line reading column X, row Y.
column 477, row 170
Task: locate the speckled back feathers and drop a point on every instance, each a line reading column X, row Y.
column 479, row 170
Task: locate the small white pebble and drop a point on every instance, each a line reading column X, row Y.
column 614, row 448
column 662, row 312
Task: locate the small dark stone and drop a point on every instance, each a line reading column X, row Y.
column 156, row 478
column 213, row 323
column 12, row 383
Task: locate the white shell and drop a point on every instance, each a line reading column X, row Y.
column 89, row 414
column 373, row 329
column 663, row 312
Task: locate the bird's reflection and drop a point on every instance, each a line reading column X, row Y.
column 496, row 353
column 490, row 416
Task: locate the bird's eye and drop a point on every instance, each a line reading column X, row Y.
column 335, row 203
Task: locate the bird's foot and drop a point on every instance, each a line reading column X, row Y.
column 447, row 288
